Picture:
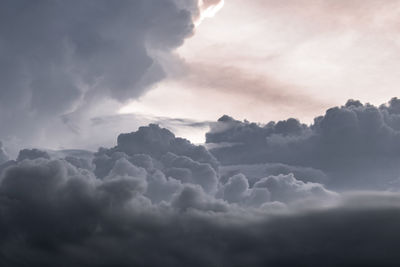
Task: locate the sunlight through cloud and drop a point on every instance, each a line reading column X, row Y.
column 208, row 9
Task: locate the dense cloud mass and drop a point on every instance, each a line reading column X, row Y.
column 62, row 57
column 64, row 208
column 354, row 146
column 3, row 154
column 158, row 200
column 279, row 194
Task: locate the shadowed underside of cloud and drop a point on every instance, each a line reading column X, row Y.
column 54, row 214
column 158, row 200
column 355, row 145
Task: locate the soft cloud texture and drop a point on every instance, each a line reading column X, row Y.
column 355, row 145
column 3, row 154
column 64, row 207
column 279, row 194
column 61, row 61
column 155, row 199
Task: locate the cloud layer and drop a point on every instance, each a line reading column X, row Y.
column 355, row 145
column 66, row 207
column 279, row 194
column 155, row 199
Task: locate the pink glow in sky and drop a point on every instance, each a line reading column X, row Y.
column 268, row 60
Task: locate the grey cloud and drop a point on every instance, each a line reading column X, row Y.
column 237, row 190
column 32, row 154
column 59, row 57
column 156, row 142
column 3, row 154
column 130, row 209
column 281, row 188
column 155, row 148
column 355, row 145
column 254, row 172
column 193, row 197
column 286, row 188
column 161, row 188
column 189, row 171
column 55, row 214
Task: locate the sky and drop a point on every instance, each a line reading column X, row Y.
column 199, row 133
column 282, row 59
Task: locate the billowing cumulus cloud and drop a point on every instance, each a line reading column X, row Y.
column 58, row 58
column 254, row 172
column 353, row 146
column 55, row 214
column 280, row 194
column 64, row 207
column 158, row 200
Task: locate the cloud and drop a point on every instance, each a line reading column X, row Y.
column 156, row 142
column 32, row 154
column 355, row 145
column 155, row 199
column 286, row 188
column 55, row 214
column 281, row 188
column 237, row 190
column 3, row 154
column 189, row 171
column 66, row 57
column 152, row 192
column 254, row 172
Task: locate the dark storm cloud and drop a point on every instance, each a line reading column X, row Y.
column 158, row 200
column 53, row 214
column 3, row 154
column 151, row 200
column 58, row 56
column 355, row 145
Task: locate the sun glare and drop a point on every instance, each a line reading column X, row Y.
column 208, row 11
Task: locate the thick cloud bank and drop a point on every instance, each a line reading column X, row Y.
column 153, row 194
column 60, row 57
column 354, row 146
column 158, row 200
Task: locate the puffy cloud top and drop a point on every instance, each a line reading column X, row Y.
column 60, row 208
column 155, row 199
column 353, row 144
column 156, row 141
